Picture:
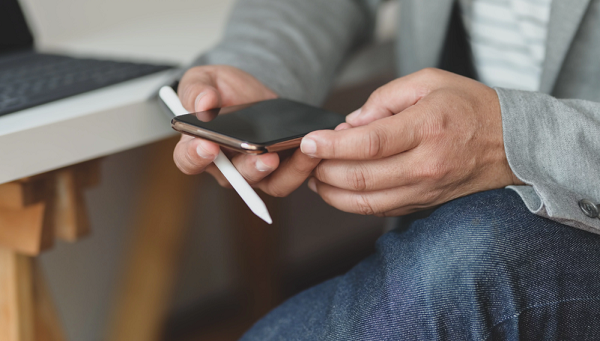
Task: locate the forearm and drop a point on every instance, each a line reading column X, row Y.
column 554, row 146
column 294, row 47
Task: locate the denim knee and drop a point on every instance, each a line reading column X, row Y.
column 461, row 239
column 479, row 260
column 480, row 267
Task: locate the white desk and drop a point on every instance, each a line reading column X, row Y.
column 83, row 127
column 118, row 117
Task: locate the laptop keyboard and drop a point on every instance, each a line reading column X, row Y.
column 31, row 79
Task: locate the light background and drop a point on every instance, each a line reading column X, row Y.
column 83, row 276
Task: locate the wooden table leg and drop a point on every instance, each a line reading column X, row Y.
column 29, row 219
column 47, row 324
column 16, row 299
column 71, row 220
column 159, row 228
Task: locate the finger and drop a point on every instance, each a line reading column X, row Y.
column 370, row 203
column 193, row 155
column 364, row 176
column 396, row 96
column 343, row 126
column 386, row 101
column 292, row 172
column 254, row 168
column 357, row 118
column 198, row 90
column 216, row 173
column 382, row 138
column 214, row 86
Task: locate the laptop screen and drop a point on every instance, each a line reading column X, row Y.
column 14, row 32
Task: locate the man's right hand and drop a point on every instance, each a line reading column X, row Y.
column 215, row 86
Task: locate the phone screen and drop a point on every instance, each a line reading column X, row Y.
column 265, row 122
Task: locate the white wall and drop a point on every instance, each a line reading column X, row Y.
column 139, row 29
column 59, row 20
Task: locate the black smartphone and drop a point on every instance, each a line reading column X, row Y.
column 258, row 128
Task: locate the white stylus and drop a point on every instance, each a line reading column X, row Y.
column 237, row 181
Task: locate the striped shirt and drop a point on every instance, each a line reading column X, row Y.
column 508, row 39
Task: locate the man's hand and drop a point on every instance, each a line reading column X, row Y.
column 418, row 142
column 215, row 86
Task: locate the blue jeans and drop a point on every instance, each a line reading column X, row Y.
column 480, row 267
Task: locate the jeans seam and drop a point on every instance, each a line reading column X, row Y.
column 507, row 318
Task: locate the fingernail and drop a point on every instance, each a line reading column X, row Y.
column 308, row 146
column 354, row 114
column 197, row 102
column 261, row 166
column 203, row 153
column 312, row 184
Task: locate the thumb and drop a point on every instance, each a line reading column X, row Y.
column 208, row 98
column 198, row 92
column 388, row 100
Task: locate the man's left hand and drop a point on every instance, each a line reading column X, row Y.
column 418, row 142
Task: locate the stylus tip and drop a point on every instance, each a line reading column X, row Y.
column 265, row 216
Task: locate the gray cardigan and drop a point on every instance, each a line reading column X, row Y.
column 552, row 138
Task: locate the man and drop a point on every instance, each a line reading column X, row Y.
column 490, row 262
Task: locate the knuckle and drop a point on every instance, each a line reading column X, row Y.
column 364, row 206
column 357, row 179
column 434, row 126
column 430, row 197
column 178, row 157
column 424, row 198
column 320, row 173
column 375, row 140
column 300, row 170
column 276, row 191
column 178, row 165
column 434, row 170
column 249, row 174
column 319, row 170
column 190, row 163
column 332, row 149
column 429, row 72
column 377, row 94
column 252, row 179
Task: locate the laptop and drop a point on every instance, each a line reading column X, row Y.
column 29, row 78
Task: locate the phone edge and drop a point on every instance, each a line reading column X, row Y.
column 225, row 141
